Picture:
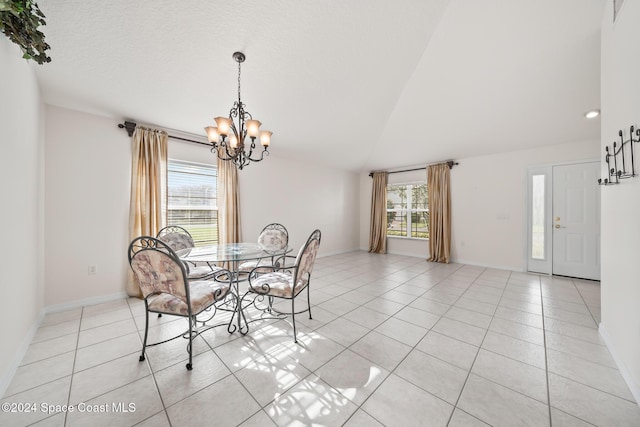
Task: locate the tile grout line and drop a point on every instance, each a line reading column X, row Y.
column 233, row 374
column 103, row 363
column 584, row 301
column 546, row 358
column 360, row 407
column 153, row 376
column 73, row 365
column 466, row 380
column 571, row 379
column 547, row 362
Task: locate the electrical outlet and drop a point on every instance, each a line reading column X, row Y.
column 93, row 269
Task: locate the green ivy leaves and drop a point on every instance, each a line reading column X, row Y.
column 19, row 21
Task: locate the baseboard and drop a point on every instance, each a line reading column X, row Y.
column 411, row 254
column 84, row 302
column 328, row 254
column 457, row 261
column 7, row 376
column 485, row 265
column 633, row 387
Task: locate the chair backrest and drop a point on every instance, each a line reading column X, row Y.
column 307, row 256
column 158, row 268
column 176, row 237
column 273, row 237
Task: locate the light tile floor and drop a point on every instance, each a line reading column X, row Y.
column 394, row 341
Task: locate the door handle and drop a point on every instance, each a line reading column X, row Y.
column 559, row 226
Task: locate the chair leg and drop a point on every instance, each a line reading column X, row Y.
column 190, row 346
column 309, row 301
column 146, row 331
column 293, row 317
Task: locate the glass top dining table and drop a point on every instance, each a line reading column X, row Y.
column 230, row 252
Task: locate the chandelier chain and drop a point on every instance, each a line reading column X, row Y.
column 239, row 64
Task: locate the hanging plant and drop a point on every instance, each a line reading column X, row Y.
column 19, row 20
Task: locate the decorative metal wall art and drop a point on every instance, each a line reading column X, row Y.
column 621, row 156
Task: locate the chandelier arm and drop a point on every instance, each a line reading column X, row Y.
column 263, row 153
column 251, row 147
column 220, row 153
column 218, row 149
column 229, row 155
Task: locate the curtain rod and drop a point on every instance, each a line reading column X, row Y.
column 450, row 163
column 131, row 126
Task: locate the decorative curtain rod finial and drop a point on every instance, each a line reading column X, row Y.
column 129, row 126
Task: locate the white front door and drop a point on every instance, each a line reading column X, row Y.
column 576, row 220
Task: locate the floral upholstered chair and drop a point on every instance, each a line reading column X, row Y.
column 273, row 237
column 287, row 282
column 178, row 238
column 166, row 289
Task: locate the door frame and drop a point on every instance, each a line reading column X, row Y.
column 543, row 266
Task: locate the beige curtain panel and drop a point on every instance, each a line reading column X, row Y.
column 378, row 229
column 228, row 203
column 147, row 213
column 439, row 190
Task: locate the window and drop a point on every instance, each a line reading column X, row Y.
column 407, row 209
column 537, row 216
column 192, row 200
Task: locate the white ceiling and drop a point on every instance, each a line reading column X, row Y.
column 357, row 85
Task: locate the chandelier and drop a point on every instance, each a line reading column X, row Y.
column 228, row 138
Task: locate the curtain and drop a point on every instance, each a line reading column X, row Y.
column 228, row 203
column 147, row 213
column 378, row 230
column 438, row 189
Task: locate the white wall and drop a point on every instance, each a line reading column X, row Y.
column 88, row 167
column 87, row 172
column 21, row 166
column 489, row 209
column 302, row 197
column 488, row 204
column 620, row 284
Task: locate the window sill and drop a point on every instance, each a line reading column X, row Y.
column 421, row 239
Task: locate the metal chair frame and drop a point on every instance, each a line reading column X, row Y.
column 147, row 243
column 263, row 290
column 273, row 226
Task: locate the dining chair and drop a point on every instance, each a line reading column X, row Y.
column 166, row 289
column 178, row 238
column 272, row 238
column 286, row 281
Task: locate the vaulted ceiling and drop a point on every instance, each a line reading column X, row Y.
column 356, row 85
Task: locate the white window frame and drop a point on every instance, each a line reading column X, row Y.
column 195, row 207
column 408, row 211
